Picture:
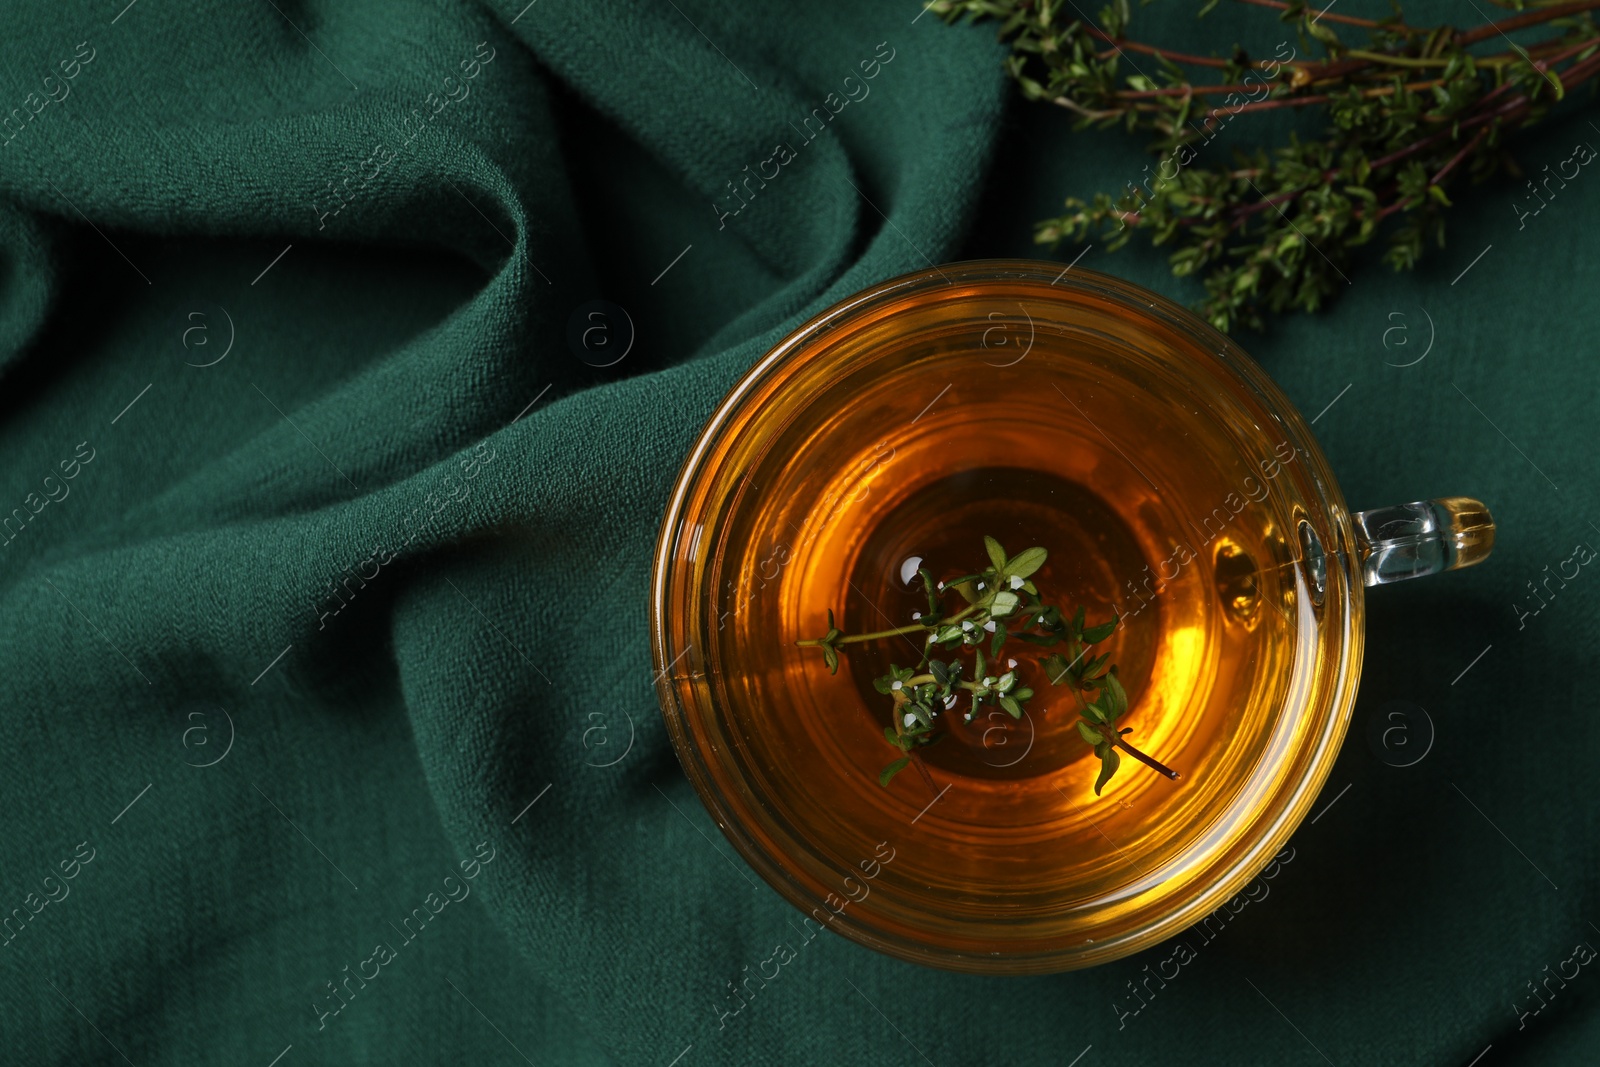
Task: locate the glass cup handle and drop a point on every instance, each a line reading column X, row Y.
column 1423, row 537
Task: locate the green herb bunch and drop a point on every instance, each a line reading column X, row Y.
column 1000, row 602
column 1406, row 115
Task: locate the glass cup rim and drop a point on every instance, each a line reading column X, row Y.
column 1263, row 839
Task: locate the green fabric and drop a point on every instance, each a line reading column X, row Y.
column 364, row 429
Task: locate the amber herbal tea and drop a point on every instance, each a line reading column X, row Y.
column 1169, row 505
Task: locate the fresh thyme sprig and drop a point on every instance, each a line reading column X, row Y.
column 1001, row 603
column 1407, row 114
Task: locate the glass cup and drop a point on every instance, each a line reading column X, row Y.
column 1175, row 488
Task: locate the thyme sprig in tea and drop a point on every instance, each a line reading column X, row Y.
column 1000, row 602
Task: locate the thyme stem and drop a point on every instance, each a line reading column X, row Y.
column 850, row 639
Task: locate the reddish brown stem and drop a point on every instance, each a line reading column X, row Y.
column 1179, row 90
column 1398, row 205
column 1262, row 205
column 1273, row 104
column 1348, row 20
column 1176, row 57
column 1410, row 149
column 1556, row 42
column 1580, row 71
column 1466, row 150
column 1307, row 101
column 1151, row 50
column 1527, row 18
column 1149, row 761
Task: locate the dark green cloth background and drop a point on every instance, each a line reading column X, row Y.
column 393, row 348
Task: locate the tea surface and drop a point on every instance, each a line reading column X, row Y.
column 1164, row 491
